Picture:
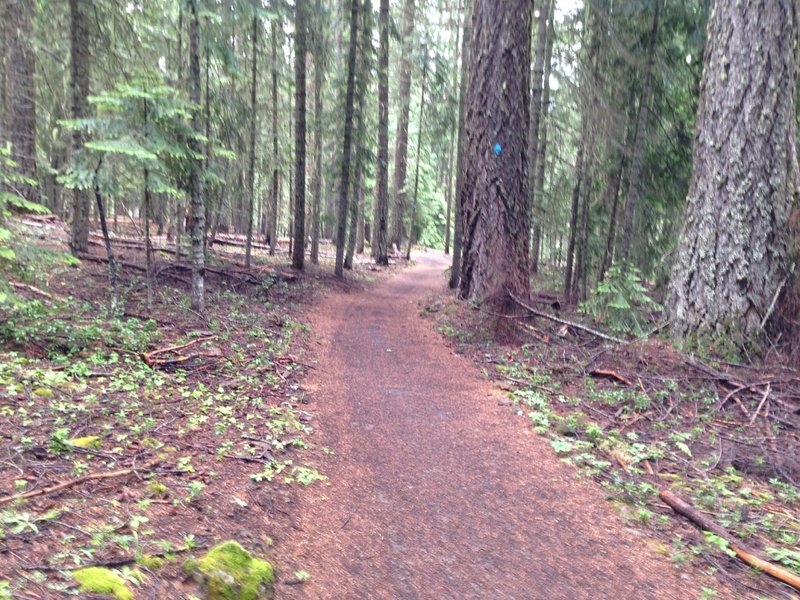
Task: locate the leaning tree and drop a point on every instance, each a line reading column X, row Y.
column 494, row 196
column 734, row 260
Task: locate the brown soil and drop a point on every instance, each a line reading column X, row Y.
column 434, row 491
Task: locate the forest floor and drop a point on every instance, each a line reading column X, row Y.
column 362, row 435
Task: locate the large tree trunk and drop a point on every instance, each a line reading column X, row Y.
column 251, row 169
column 79, row 90
column 344, row 181
column 638, row 145
column 299, row 249
column 401, row 140
column 458, row 218
column 195, row 181
column 273, row 209
column 380, row 222
column 495, row 197
column 451, row 145
column 21, row 91
column 734, row 252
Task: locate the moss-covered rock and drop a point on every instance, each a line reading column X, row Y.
column 154, row 563
column 98, row 580
column 229, row 572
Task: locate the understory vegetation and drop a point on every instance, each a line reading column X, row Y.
column 167, row 431
column 639, row 418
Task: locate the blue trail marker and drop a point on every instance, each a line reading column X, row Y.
column 498, row 149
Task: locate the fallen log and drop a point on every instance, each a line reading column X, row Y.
column 687, row 510
column 73, row 482
column 544, row 315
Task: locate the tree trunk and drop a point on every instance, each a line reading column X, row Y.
column 273, row 210
column 299, row 248
column 536, row 97
column 318, row 82
column 419, row 151
column 79, row 90
column 380, row 222
column 452, row 142
column 458, row 228
column 537, row 194
column 569, row 294
column 251, row 173
column 195, row 181
column 638, row 145
column 494, row 197
column 613, row 197
column 344, row 181
column 401, row 140
column 734, row 252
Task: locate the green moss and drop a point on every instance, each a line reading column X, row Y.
column 229, row 572
column 43, row 392
column 98, row 580
column 156, row 489
column 90, row 441
column 154, row 563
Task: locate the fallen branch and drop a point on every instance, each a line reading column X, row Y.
column 609, row 375
column 110, row 564
column 30, row 288
column 151, row 358
column 544, row 315
column 687, row 510
column 73, row 482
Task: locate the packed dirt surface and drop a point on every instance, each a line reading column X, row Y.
column 435, row 492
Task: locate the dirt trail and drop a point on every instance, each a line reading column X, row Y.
column 436, row 492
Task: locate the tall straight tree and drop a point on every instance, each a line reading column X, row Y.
column 401, row 139
column 195, row 180
column 380, row 222
column 21, row 90
column 634, row 180
column 494, row 197
column 344, row 180
column 251, row 170
column 734, row 255
column 79, row 90
column 451, row 143
column 273, row 209
column 318, row 44
column 299, row 248
column 458, row 228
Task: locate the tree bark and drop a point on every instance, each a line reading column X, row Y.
column 458, row 228
column 273, row 210
column 451, row 145
column 494, row 197
column 569, row 294
column 251, row 172
column 344, row 181
column 536, row 97
column 380, row 222
column 416, row 168
column 401, row 139
column 195, row 181
column 734, row 252
column 638, row 145
column 79, row 90
column 299, row 248
column 317, row 191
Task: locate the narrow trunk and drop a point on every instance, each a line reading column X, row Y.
column 299, row 248
column 458, row 228
column 536, row 94
column 573, row 221
column 112, row 263
column 537, row 196
column 195, row 180
column 416, row 169
column 317, row 202
column 251, row 173
column 273, row 210
column 638, row 146
column 452, row 143
column 347, row 142
column 613, row 195
column 494, row 197
column 401, row 139
column 148, row 246
column 380, row 222
column 79, row 90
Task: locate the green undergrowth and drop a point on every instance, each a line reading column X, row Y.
column 619, row 435
column 227, row 425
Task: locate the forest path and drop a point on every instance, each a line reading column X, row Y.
column 436, row 492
